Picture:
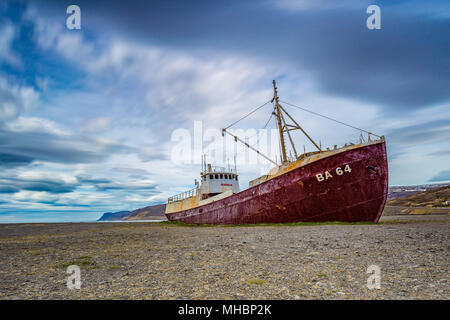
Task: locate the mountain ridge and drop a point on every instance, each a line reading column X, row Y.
column 437, row 197
column 146, row 213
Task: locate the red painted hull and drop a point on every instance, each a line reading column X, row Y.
column 298, row 195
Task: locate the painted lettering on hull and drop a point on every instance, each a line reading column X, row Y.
column 327, row 175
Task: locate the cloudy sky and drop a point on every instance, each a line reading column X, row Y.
column 87, row 116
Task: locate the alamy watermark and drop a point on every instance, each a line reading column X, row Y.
column 374, row 20
column 188, row 148
column 374, row 280
column 74, row 278
column 74, row 20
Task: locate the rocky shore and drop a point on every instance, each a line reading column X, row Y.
column 169, row 261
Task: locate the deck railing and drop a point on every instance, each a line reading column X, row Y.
column 184, row 195
column 215, row 169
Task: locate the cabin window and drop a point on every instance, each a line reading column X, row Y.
column 226, row 176
column 211, row 176
column 217, row 176
column 236, row 178
column 221, row 176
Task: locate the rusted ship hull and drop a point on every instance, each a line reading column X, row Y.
column 350, row 186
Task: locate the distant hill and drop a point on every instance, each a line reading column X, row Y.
column 436, row 197
column 108, row 216
column 395, row 192
column 146, row 213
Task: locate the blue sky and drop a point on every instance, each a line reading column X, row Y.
column 86, row 116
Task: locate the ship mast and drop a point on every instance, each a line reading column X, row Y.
column 280, row 127
column 284, row 127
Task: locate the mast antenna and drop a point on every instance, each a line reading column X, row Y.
column 284, row 127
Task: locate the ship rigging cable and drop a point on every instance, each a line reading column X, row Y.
column 248, row 114
column 321, row 115
column 257, row 135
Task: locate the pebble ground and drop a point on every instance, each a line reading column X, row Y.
column 161, row 261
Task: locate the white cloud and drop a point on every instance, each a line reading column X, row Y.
column 310, row 5
column 34, row 196
column 7, row 54
column 169, row 81
column 435, row 9
column 36, row 175
column 42, row 83
column 96, row 124
column 32, row 124
column 14, row 99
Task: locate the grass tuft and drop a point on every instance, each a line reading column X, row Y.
column 83, row 261
column 256, row 281
column 85, row 257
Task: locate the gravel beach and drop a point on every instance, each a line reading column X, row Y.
column 167, row 261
